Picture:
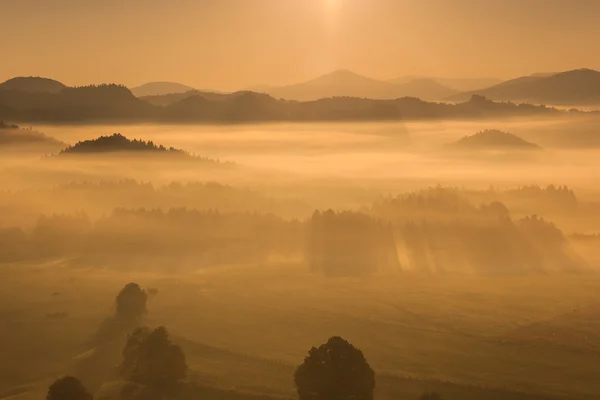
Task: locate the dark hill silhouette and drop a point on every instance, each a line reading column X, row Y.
column 493, row 139
column 344, row 83
column 115, row 103
column 576, row 87
column 13, row 136
column 159, row 88
column 119, row 143
column 102, row 102
column 237, row 107
column 32, row 84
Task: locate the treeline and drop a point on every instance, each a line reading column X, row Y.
column 532, row 198
column 440, row 202
column 155, row 238
column 528, row 245
column 350, row 243
column 22, row 207
column 483, row 240
column 440, row 230
column 435, row 230
column 117, row 103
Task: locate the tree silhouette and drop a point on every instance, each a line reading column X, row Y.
column 349, row 243
column 335, row 371
column 68, row 388
column 131, row 302
column 151, row 359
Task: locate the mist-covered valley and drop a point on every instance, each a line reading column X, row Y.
column 461, row 257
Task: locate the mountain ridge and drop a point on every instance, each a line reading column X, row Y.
column 573, row 87
column 346, row 83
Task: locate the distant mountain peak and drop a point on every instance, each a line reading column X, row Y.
column 347, row 83
column 160, row 88
column 343, row 77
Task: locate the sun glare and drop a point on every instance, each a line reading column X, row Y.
column 332, row 6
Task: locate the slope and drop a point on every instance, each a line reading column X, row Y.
column 576, row 87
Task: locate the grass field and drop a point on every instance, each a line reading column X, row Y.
column 246, row 328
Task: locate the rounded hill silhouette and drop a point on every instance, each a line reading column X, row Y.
column 119, row 143
column 493, row 139
column 32, row 84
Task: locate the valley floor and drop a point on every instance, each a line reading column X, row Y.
column 246, row 328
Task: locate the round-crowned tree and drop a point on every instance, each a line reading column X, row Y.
column 68, row 388
column 131, row 302
column 151, row 359
column 335, row 370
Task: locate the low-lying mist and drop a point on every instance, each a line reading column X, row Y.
column 461, row 257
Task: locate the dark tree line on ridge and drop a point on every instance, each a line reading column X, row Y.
column 116, row 103
column 100, row 197
column 438, row 233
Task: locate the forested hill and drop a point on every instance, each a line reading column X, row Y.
column 119, row 143
column 109, row 103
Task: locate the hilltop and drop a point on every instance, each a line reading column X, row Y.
column 494, row 139
column 119, row 143
column 32, row 84
column 160, row 88
column 576, row 87
column 345, row 83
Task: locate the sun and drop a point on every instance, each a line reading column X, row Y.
column 332, row 5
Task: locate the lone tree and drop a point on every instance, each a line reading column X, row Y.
column 151, row 359
column 335, row 371
column 131, row 302
column 130, row 309
column 68, row 388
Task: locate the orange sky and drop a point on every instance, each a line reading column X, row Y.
column 233, row 44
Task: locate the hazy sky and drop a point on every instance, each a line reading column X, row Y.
column 232, row 44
